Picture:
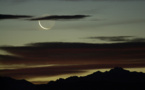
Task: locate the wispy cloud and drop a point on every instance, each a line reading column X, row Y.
column 118, row 38
column 51, row 17
column 61, row 17
column 113, row 38
column 8, row 16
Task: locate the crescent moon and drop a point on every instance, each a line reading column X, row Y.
column 48, row 28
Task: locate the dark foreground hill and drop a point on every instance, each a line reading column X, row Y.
column 115, row 79
column 7, row 83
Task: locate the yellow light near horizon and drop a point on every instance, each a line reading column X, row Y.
column 44, row 80
column 136, row 69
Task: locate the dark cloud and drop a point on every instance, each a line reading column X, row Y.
column 138, row 40
column 73, row 53
column 112, row 38
column 69, row 58
column 119, row 38
column 61, row 17
column 8, row 59
column 28, row 73
column 40, row 71
column 6, row 16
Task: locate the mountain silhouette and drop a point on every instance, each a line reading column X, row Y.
column 115, row 79
column 7, row 83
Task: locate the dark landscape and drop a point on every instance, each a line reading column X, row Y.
column 115, row 79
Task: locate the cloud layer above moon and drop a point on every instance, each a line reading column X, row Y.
column 51, row 17
column 6, row 16
column 61, row 17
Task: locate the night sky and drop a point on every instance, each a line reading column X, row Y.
column 83, row 36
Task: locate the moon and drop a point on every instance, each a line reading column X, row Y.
column 51, row 24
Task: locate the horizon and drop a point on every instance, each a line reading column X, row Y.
column 92, row 72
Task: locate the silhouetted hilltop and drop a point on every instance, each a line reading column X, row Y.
column 118, row 75
column 7, row 83
column 115, row 79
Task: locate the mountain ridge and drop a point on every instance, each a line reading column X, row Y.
column 115, row 79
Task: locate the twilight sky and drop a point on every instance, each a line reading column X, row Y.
column 85, row 35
